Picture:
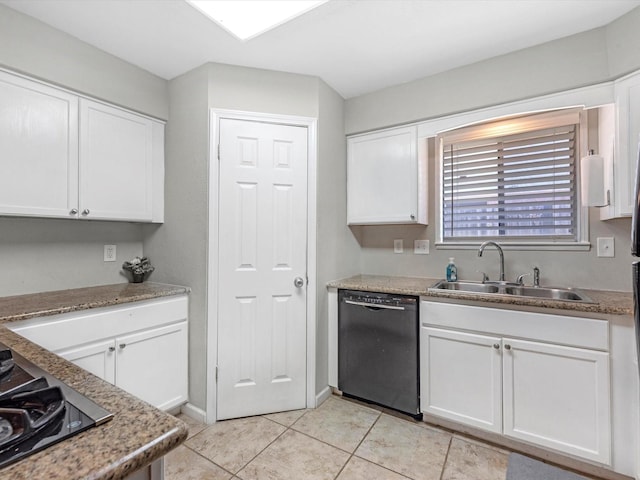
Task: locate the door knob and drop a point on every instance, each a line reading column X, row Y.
column 73, row 211
column 112, row 349
column 298, row 282
column 85, row 211
column 123, row 345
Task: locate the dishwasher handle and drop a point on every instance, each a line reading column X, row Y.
column 374, row 306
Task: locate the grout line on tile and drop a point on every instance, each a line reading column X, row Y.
column 208, row 460
column 446, row 458
column 267, row 446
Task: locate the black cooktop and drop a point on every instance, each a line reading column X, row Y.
column 37, row 410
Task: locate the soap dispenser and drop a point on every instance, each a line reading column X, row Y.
column 452, row 271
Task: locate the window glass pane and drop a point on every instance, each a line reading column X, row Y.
column 515, row 186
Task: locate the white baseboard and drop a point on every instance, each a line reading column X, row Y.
column 194, row 412
column 323, row 395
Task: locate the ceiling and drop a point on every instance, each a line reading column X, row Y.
column 356, row 46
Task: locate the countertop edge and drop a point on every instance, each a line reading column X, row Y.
column 166, row 432
column 43, row 304
column 606, row 302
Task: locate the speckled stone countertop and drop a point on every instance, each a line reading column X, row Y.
column 137, row 435
column 605, row 302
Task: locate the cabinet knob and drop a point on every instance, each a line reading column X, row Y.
column 496, row 346
column 507, row 347
column 86, row 211
column 413, row 217
column 112, row 349
column 73, row 211
column 122, row 345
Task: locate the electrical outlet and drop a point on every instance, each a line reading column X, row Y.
column 109, row 253
column 397, row 246
column 605, row 247
column 421, row 247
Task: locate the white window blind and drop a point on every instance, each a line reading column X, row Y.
column 515, row 186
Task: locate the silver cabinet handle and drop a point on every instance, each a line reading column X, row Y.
column 507, row 347
column 73, row 211
column 86, row 211
column 298, row 282
column 122, row 345
column 496, row 346
column 112, row 349
column 413, row 217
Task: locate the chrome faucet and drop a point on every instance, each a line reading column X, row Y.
column 499, row 248
column 536, row 277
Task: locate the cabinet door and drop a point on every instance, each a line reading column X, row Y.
column 38, row 149
column 116, row 163
column 627, row 93
column 558, row 397
column 461, row 377
column 386, row 184
column 97, row 358
column 152, row 365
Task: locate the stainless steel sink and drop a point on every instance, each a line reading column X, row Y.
column 548, row 292
column 507, row 288
column 474, row 287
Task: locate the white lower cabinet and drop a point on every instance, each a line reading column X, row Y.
column 558, row 397
column 163, row 353
column 546, row 394
column 97, row 358
column 462, row 377
column 140, row 347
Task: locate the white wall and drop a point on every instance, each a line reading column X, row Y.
column 45, row 254
column 587, row 58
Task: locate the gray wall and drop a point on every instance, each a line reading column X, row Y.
column 178, row 247
column 42, row 254
column 336, row 248
column 587, row 58
column 32, row 47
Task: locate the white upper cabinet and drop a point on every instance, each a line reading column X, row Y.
column 38, row 149
column 621, row 146
column 66, row 156
column 116, row 163
column 386, row 178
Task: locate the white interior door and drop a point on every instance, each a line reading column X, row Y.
column 262, row 268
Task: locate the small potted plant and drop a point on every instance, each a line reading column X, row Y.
column 139, row 268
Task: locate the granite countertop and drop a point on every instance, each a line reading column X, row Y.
column 137, row 435
column 606, row 302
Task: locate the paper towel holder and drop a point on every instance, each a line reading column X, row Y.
column 592, row 188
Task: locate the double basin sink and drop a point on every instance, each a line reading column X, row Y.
column 514, row 289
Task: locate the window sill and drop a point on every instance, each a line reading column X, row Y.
column 506, row 245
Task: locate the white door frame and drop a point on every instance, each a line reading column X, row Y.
column 212, row 247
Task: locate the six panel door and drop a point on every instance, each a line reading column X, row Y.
column 262, row 268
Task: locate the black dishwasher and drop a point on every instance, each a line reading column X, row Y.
column 378, row 349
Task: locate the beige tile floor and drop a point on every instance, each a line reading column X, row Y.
column 341, row 440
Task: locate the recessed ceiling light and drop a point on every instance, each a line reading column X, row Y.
column 249, row 18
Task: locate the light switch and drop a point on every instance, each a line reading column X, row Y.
column 605, row 247
column 397, row 246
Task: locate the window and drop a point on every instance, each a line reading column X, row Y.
column 513, row 180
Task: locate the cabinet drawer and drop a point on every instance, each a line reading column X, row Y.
column 57, row 332
column 573, row 331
